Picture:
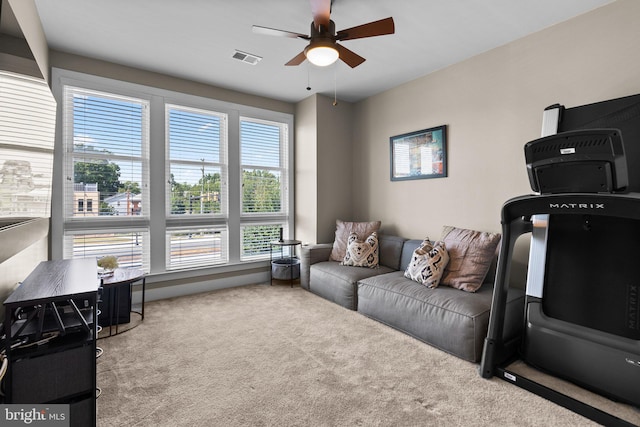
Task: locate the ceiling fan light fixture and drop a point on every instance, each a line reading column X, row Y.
column 321, row 53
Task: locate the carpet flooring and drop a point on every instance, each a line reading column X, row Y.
column 278, row 356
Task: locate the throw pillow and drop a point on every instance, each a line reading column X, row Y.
column 428, row 263
column 470, row 255
column 343, row 229
column 362, row 253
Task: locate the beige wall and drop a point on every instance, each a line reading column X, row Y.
column 110, row 70
column 26, row 14
column 15, row 56
column 306, row 168
column 493, row 105
column 323, row 167
column 335, row 165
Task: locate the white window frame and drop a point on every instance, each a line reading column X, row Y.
column 205, row 222
column 208, row 258
column 159, row 221
column 272, row 220
column 73, row 224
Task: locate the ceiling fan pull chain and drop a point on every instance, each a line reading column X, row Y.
column 335, row 87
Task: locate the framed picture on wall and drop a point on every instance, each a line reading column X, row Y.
column 418, row 155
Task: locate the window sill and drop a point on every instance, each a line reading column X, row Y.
column 198, row 273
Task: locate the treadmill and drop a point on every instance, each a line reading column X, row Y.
column 581, row 320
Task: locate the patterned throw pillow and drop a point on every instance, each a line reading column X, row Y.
column 428, row 263
column 343, row 229
column 362, row 253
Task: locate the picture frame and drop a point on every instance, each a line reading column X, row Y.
column 419, row 155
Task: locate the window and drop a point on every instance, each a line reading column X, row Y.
column 196, row 247
column 106, row 135
column 263, row 150
column 264, row 155
column 256, row 238
column 166, row 181
column 27, row 129
column 197, row 161
column 197, row 188
column 106, row 140
column 129, row 246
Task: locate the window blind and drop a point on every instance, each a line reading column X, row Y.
column 129, row 246
column 263, row 148
column 256, row 239
column 106, row 139
column 263, row 157
column 196, row 247
column 196, row 145
column 106, row 195
column 27, row 130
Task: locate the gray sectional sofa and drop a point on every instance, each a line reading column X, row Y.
column 447, row 318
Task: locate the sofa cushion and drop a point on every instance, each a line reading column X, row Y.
column 338, row 283
column 343, row 229
column 390, row 250
column 407, row 252
column 362, row 253
column 309, row 255
column 444, row 317
column 470, row 256
column 428, row 263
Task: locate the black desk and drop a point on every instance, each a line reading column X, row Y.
column 50, row 324
column 121, row 279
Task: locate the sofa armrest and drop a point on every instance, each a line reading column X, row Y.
column 311, row 254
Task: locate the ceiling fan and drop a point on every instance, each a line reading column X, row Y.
column 323, row 48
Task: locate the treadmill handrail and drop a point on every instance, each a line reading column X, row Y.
column 617, row 205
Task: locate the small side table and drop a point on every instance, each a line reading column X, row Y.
column 289, row 261
column 122, row 278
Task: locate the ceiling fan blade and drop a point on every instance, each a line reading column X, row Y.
column 279, row 33
column 372, row 29
column 321, row 11
column 349, row 57
column 298, row 59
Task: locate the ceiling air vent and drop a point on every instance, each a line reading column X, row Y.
column 246, row 57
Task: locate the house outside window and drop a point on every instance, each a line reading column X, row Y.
column 83, row 196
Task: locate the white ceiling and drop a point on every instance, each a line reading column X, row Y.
column 195, row 39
